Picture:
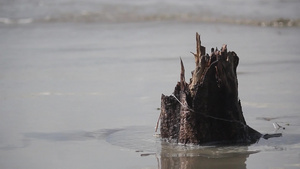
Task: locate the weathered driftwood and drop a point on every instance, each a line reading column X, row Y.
column 207, row 110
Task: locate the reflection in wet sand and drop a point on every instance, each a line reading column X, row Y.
column 203, row 162
column 172, row 155
column 182, row 157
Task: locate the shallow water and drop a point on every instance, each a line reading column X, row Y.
column 138, row 139
column 77, row 94
column 68, row 94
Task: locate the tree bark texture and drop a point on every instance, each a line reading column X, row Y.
column 207, row 110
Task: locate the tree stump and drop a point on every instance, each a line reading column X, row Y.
column 207, row 110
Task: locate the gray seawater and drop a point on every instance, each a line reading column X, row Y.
column 250, row 12
column 80, row 81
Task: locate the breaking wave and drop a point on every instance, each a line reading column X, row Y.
column 94, row 18
column 256, row 12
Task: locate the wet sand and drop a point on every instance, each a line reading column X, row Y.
column 86, row 96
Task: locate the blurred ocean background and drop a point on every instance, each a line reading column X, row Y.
column 255, row 12
column 81, row 80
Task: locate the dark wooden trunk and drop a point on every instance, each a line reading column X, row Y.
column 207, row 110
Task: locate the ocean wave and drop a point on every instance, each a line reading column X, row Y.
column 113, row 18
column 231, row 12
